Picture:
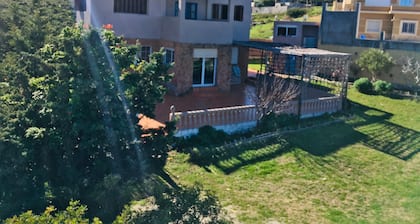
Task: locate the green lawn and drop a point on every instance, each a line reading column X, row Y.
column 364, row 170
column 255, row 64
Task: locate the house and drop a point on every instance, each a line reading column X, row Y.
column 396, row 20
column 302, row 34
column 197, row 35
column 354, row 26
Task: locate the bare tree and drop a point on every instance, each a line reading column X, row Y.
column 273, row 93
column 411, row 67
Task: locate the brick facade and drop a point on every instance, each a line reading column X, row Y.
column 183, row 67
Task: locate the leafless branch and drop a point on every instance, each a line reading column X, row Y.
column 273, row 93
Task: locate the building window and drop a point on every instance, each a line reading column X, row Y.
column 191, row 10
column 287, row 31
column 406, row 3
column 145, row 52
column 373, row 26
column 176, row 8
column 408, row 27
column 219, row 12
column 204, row 72
column 239, row 13
column 130, row 6
column 80, row 5
column 169, row 56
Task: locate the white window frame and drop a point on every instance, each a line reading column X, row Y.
column 409, row 21
column 408, row 3
column 373, row 20
column 172, row 55
column 287, row 30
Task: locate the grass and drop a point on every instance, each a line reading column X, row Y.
column 255, row 64
column 264, row 24
column 364, row 170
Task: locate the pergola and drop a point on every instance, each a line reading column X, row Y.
column 315, row 68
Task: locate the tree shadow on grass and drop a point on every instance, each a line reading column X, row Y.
column 368, row 126
column 229, row 158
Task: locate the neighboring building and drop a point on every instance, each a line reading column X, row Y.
column 197, row 35
column 302, row 34
column 396, row 20
column 354, row 26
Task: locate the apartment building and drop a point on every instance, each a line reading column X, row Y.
column 396, row 20
column 197, row 35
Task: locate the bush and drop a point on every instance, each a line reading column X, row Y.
column 262, row 3
column 382, row 87
column 296, row 12
column 273, row 122
column 208, row 136
column 363, row 85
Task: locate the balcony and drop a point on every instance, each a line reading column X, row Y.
column 196, row 31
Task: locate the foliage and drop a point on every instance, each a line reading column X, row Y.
column 157, row 144
column 382, row 87
column 273, row 122
column 363, row 85
column 146, row 83
column 375, row 61
column 411, row 68
column 74, row 213
column 188, row 205
column 296, row 12
column 66, row 131
column 208, row 135
column 262, row 3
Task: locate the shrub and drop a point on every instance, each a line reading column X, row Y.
column 363, row 85
column 273, row 122
column 296, row 12
column 382, row 87
column 262, row 3
column 208, row 136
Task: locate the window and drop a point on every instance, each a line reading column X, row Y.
column 286, row 31
column 406, row 3
column 176, row 8
column 238, row 13
column 373, row 26
column 169, row 56
column 130, row 6
column 145, row 52
column 204, row 72
column 191, row 10
column 219, row 12
column 408, row 27
column 385, row 3
column 80, row 5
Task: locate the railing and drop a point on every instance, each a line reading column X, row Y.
column 214, row 117
column 231, row 118
column 316, row 107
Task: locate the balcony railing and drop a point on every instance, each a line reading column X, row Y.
column 395, row 8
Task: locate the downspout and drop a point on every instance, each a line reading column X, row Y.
column 359, row 4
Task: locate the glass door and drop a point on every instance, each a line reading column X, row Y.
column 204, row 72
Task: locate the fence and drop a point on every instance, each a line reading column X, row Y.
column 231, row 119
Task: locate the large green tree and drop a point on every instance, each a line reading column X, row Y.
column 66, row 131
